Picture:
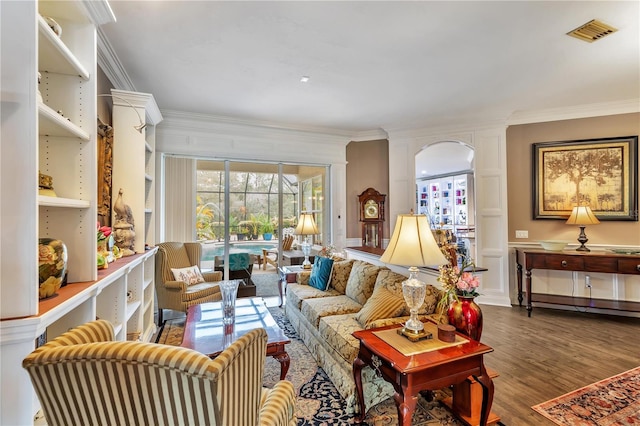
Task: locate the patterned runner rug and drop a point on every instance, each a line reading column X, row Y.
column 609, row 402
column 318, row 402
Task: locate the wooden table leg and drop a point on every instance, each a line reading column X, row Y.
column 358, row 364
column 487, row 395
column 519, row 284
column 406, row 406
column 528, row 280
column 284, row 360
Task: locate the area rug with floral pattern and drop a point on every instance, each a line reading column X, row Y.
column 318, row 401
column 614, row 401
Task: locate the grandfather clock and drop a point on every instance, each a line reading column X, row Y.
column 372, row 217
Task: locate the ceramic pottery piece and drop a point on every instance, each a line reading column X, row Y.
column 55, row 27
column 52, row 266
column 465, row 315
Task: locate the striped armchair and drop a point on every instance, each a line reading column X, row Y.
column 178, row 295
column 84, row 378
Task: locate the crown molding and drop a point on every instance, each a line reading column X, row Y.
column 370, row 135
column 205, row 122
column 99, row 12
column 110, row 64
column 139, row 100
column 578, row 111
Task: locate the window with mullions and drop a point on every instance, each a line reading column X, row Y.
column 253, row 201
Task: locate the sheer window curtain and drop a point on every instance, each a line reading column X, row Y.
column 180, row 199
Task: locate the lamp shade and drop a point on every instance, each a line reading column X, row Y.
column 582, row 215
column 306, row 225
column 412, row 243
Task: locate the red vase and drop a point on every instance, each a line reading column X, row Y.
column 465, row 315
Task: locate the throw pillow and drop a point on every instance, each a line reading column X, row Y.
column 190, row 275
column 321, row 273
column 361, row 280
column 340, row 275
column 382, row 304
column 392, row 281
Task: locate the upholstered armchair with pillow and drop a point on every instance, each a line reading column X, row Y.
column 83, row 377
column 179, row 280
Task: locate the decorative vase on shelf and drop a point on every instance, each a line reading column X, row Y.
column 52, row 266
column 465, row 315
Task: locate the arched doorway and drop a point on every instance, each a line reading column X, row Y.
column 444, row 173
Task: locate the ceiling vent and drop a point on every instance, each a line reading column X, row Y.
column 592, row 31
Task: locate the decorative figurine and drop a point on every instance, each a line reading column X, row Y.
column 125, row 235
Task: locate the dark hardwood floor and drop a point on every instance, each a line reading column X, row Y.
column 552, row 353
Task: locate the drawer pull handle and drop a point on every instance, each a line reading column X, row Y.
column 564, row 263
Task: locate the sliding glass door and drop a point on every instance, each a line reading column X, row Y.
column 247, row 206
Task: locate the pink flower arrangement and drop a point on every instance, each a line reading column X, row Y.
column 468, row 283
column 458, row 281
column 103, row 232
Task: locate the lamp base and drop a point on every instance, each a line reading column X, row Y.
column 582, row 239
column 414, row 336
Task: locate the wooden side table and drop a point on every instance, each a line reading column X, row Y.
column 423, row 371
column 605, row 262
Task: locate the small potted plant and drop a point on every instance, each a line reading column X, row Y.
column 242, row 232
column 267, row 231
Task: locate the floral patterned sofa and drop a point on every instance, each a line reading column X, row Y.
column 360, row 295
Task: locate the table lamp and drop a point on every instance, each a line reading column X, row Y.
column 412, row 244
column 306, row 226
column 582, row 216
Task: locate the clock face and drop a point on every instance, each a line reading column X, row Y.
column 371, row 210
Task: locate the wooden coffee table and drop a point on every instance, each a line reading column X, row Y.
column 423, row 371
column 205, row 333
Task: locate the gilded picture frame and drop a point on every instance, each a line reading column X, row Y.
column 601, row 173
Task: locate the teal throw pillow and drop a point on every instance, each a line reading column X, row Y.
column 321, row 273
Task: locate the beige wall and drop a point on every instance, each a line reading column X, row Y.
column 367, row 166
column 519, row 178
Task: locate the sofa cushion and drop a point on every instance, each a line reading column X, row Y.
column 200, row 290
column 314, row 309
column 321, row 273
column 336, row 331
column 361, row 280
column 340, row 275
column 381, row 304
column 296, row 293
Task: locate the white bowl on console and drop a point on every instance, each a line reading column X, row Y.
column 553, row 245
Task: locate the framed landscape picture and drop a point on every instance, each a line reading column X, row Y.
column 600, row 173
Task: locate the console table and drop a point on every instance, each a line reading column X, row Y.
column 575, row 261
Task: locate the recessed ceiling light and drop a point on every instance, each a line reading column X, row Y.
column 424, row 172
column 304, row 79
